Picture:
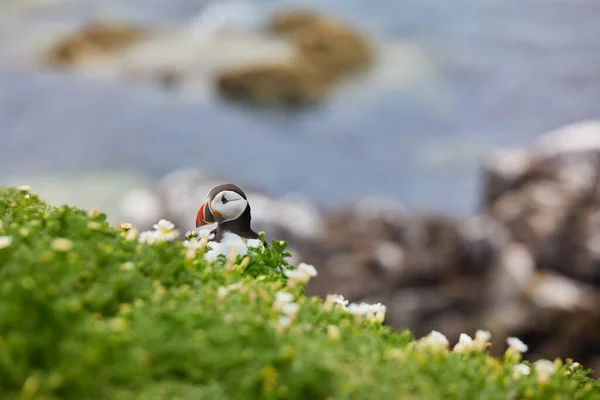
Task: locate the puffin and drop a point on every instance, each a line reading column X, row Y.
column 228, row 206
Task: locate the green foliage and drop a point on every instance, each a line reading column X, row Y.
column 101, row 316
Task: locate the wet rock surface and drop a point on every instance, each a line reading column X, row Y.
column 527, row 265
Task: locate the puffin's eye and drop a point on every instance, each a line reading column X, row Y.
column 224, row 200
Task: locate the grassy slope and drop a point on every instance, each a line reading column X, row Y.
column 114, row 319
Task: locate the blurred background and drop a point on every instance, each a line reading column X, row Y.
column 439, row 157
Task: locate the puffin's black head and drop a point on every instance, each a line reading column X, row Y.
column 224, row 203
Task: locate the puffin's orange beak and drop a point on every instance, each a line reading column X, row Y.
column 204, row 215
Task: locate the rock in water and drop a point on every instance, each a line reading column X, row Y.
column 328, row 44
column 327, row 51
column 94, row 40
column 286, row 83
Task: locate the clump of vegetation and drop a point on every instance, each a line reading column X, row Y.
column 90, row 311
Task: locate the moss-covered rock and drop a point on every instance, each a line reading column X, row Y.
column 87, row 311
column 95, row 39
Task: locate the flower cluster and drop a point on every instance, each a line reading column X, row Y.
column 25, row 189
column 5, row 241
column 164, row 231
column 515, row 349
column 543, row 370
column 516, row 344
column 193, row 246
column 284, row 303
column 199, row 234
column 372, row 312
column 435, row 341
column 466, row 344
column 301, row 275
column 334, row 300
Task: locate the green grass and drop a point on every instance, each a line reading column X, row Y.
column 101, row 316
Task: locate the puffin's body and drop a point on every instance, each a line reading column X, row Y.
column 228, row 206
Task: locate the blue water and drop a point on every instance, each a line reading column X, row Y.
column 505, row 71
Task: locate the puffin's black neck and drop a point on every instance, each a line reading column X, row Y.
column 240, row 226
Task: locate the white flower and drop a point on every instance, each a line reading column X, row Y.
column 438, row 337
column 465, row 344
column 290, row 309
column 544, row 367
column 521, row 369
column 543, row 370
column 336, row 299
column 192, row 244
column 24, row 188
column 301, row 274
column 149, row 237
column 380, row 314
column 166, row 230
column 374, row 312
column 365, row 308
column 191, row 234
column 5, row 241
column 465, row 339
column 284, row 322
column 574, row 366
column 517, row 344
column 296, row 275
column 309, row 269
column 164, row 225
column 211, row 255
column 435, row 340
column 483, row 336
column 360, row 309
column 132, row 234
column 27, row 196
column 284, row 297
column 62, row 245
column 339, row 299
column 126, row 226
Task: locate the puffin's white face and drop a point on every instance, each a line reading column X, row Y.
column 227, row 206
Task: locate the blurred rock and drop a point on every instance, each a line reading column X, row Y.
column 327, row 51
column 94, row 40
column 528, row 265
column 290, row 84
column 332, row 47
